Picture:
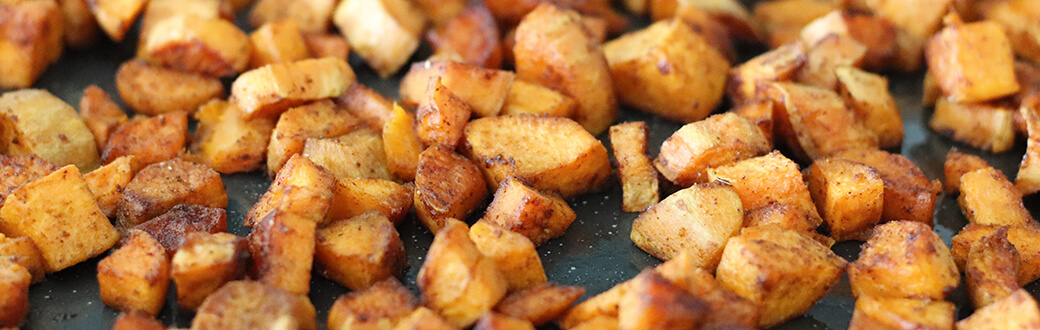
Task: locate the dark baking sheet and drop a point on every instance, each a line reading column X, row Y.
column 595, row 253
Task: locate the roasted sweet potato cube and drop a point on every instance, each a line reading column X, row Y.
column 269, row 90
column 526, row 98
column 425, row 319
column 154, row 90
column 358, row 154
column 32, row 40
column 848, row 195
column 985, row 126
column 471, row 36
column 249, row 305
column 134, row 278
column 171, row 228
column 512, row 252
column 441, row 12
column 988, row 198
column 815, row 122
column 726, row 308
column 107, row 183
column 354, row 197
column 384, row 33
column 277, row 42
column 204, row 263
column 901, row 313
column 931, row 91
column 326, row 44
column 759, row 113
column 709, row 28
column 371, row 107
column 908, row 193
column 877, row 34
column 309, row 15
column 899, row 250
column 824, row 56
column 447, row 186
column 783, row 20
column 522, row 209
column 768, row 179
column 79, row 25
column 149, row 140
column 412, row 88
column 972, row 62
column 226, row 141
column 101, row 115
column 1016, row 18
column 136, row 321
column 668, row 70
column 554, row 37
column 116, row 16
column 282, row 246
column 452, row 260
column 159, row 187
column 785, row 216
column 991, row 270
column 783, row 272
column 14, row 293
column 483, row 90
column 958, row 164
column 654, row 302
column 539, row 304
column 442, row 116
column 779, row 64
column 360, row 251
column 496, row 321
column 1028, row 179
column 1017, row 311
column 867, row 95
column 22, row 251
column 16, row 171
column 638, row 176
column 34, row 121
column 316, row 120
column 60, row 215
column 159, row 10
column 401, row 144
column 699, row 219
column 208, row 46
column 719, row 140
column 1022, row 237
column 301, row 187
column 918, row 17
column 380, row 305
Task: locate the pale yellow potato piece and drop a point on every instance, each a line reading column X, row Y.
column 383, row 32
column 209, row 46
column 34, row 121
column 309, row 15
column 277, row 42
column 270, row 90
column 867, row 94
column 116, row 16
column 699, row 219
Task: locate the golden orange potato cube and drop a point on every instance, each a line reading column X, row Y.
column 134, row 278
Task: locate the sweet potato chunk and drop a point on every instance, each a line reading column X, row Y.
column 471, row 36
column 848, row 195
column 901, row 313
column 768, row 179
column 383, row 32
column 209, row 46
column 171, row 228
column 316, row 120
column 972, row 62
column 371, row 107
column 14, row 294
column 496, row 321
column 154, row 90
column 991, row 270
column 358, row 154
column 456, row 279
column 1022, row 237
column 721, row 139
column 116, row 16
column 401, row 144
column 776, row 65
column 354, row 197
column 512, row 252
column 899, row 250
column 301, row 187
column 526, row 98
column 1028, row 179
column 22, row 251
column 31, row 40
column 908, row 193
column 699, row 219
column 60, row 215
column 447, row 186
column 277, row 42
column 360, row 251
column 250, row 305
column 483, row 90
column 326, row 45
column 101, row 115
column 638, row 177
column 282, row 246
column 524, row 210
column 958, row 164
column 824, row 56
column 381, row 305
column 160, row 10
column 539, row 304
column 440, row 12
column 1017, row 311
column 148, row 139
column 442, row 116
column 877, row 34
column 226, row 141
column 136, row 321
column 309, row 15
column 815, row 122
column 423, row 318
column 654, row 302
column 135, row 276
column 16, row 171
column 867, row 95
column 985, row 126
column 107, row 183
column 1023, row 32
column 34, row 121
column 159, row 187
column 988, row 198
column 204, row 263
column 788, row 217
column 270, row 90
column 726, row 307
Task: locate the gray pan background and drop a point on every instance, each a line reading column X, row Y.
column 595, row 252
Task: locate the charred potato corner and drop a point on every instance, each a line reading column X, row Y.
column 519, row 164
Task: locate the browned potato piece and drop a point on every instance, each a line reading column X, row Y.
column 726, row 307
column 154, row 90
column 668, row 70
column 424, row 319
column 877, row 34
column 159, row 187
column 526, row 98
column 815, row 122
column 972, row 62
column 731, row 15
column 30, row 40
column 135, row 276
column 316, row 120
column 456, row 279
column 654, row 302
column 985, row 126
column 277, row 42
column 14, row 294
column 988, row 198
column 867, row 95
column 699, row 219
column 824, row 56
column 1028, row 179
column 638, row 177
column 931, row 91
column 34, row 121
column 483, row 90
column 599, row 322
column 226, row 141
column 148, row 139
column 899, row 250
column 849, row 196
column 1022, row 237
column 991, row 270
column 442, row 116
column 16, row 171
column 447, row 186
column 783, row 20
column 700, row 21
column 721, row 139
column 160, row 10
column 209, row 46
column 527, row 211
column 1018, row 19
column 919, row 18
column 270, row 90
column 101, row 115
column 116, row 16
column 360, row 251
column 251, row 305
column 309, row 15
column 371, row 107
column 783, row 272
column 471, row 36
column 22, row 251
column 768, row 179
column 785, row 216
column 779, row 64
column 137, row 321
column 512, row 252
column 282, row 246
column 204, row 263
column 401, row 144
column 496, row 321
column 440, row 12
column 353, row 197
column 539, row 304
column 171, row 228
column 380, row 306
column 550, row 37
column 384, row 33
column 901, row 313
column 60, row 215
column 301, row 187
column 958, row 164
column 1017, row 311
column 908, row 193
column 358, row 154
column 107, row 183
column 326, row 45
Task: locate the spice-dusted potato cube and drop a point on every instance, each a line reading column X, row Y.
column 371, row 107
column 22, row 251
column 107, row 183
column 456, row 279
column 783, row 272
column 160, row 10
column 899, row 250
column 252, row 305
column 447, row 186
column 541, row 303
column 32, row 40
column 877, row 34
column 226, row 141
column 522, row 209
column 1024, row 238
column 16, row 171
column 79, row 25
column 171, row 228
column 412, row 88
column 1017, row 311
column 154, row 90
column 726, row 307
column 384, row 33
column 733, row 18
column 301, row 187
column 548, row 153
column 137, row 321
column 824, row 56
column 309, row 15
column 638, row 176
column 316, row 120
column 401, row 144
column 958, row 164
column 209, row 46
column 779, row 64
column 136, row 275
column 1017, row 18
column 159, row 187
column 768, row 179
column 148, row 139
column 60, row 215
column 423, row 318
column 786, row 216
column 985, row 126
column 972, row 62
column 324, row 44
column 526, row 98
column 759, row 113
column 282, row 246
column 440, row 12
column 512, row 252
column 204, row 263
column 360, row 251
column 654, row 302
column 116, row 16
column 358, row 154
column 33, row 121
column 550, row 37
column 668, row 70
column 783, row 20
column 1028, row 179
column 14, row 294
column 908, row 193
column 988, row 198
column 710, row 28
column 849, row 196
column 901, row 313
column 918, row 17
column 442, row 116
column 471, row 36
column 354, row 197
column 699, row 219
column 991, row 270
column 269, row 90
column 380, row 305
column 721, row 139
column 277, row 42
column 815, row 122
column 867, row 95
column 101, row 115
column 496, row 321
column 483, row 90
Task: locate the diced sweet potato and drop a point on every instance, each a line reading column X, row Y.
column 1028, row 179
column 423, row 318
column 34, row 121
column 16, row 171
column 456, row 279
column 154, row 90
column 301, row 187
column 107, row 183
column 972, row 62
column 1022, row 237
column 788, row 217
column 984, row 126
column 726, row 307
column 360, row 251
column 483, row 90
column 116, row 16
column 526, row 98
column 381, row 305
column 354, row 197
column 768, row 179
column 371, row 107
column 326, row 45
column 958, row 164
column 31, row 40
column 654, row 302
column 159, row 187
column 137, row 321
column 134, row 278
column 899, row 250
column 401, row 144
column 14, row 294
column 815, row 122
column 777, row 65
column 1017, row 311
column 149, row 140
column 226, row 141
column 512, row 252
column 991, row 271
column 316, row 120
column 282, row 246
column 721, row 139
column 209, row 46
column 309, row 15
column 159, row 10
column 277, row 42
column 868, row 97
column 383, row 32
column 496, row 321
column 988, row 198
column 1023, row 32
column 709, row 28
column 442, row 116
column 699, row 219
column 204, row 263
column 918, row 17
column 827, row 54
column 908, row 193
column 848, row 195
column 171, row 228
column 440, row 12
column 539, row 304
column 901, row 313
column 250, row 305
column 270, row 90
column 524, row 210
column 471, row 35
column 22, row 251
column 877, row 34
column 447, row 186
column 101, row 115
column 638, row 176
column 358, row 154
